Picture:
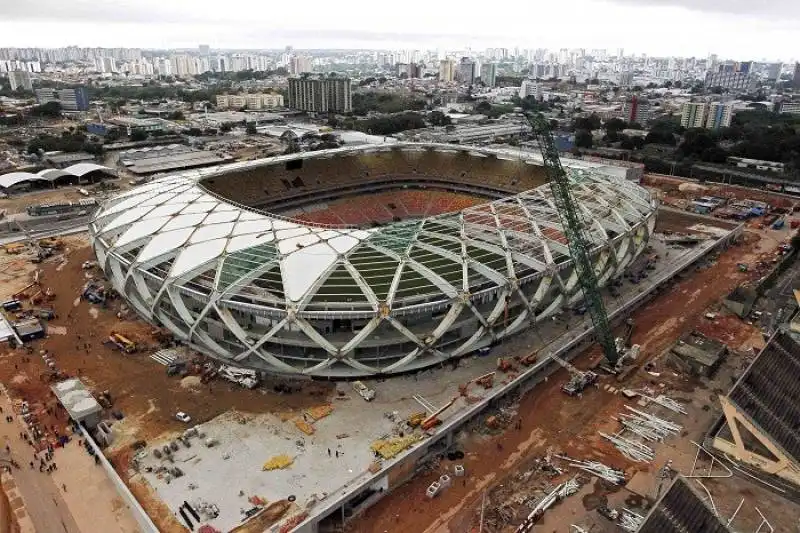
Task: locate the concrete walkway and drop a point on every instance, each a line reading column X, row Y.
column 90, row 503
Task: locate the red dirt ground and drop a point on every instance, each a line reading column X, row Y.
column 548, row 419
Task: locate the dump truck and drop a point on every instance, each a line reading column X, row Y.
column 364, row 391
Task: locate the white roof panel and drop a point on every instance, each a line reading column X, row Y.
column 292, row 232
column 128, row 203
column 284, row 224
column 165, row 210
column 185, row 221
column 131, row 215
column 249, row 215
column 197, row 255
column 214, row 231
column 199, row 207
column 140, row 229
column 252, row 226
column 294, row 244
column 301, row 269
column 225, row 216
column 343, row 244
column 246, row 241
column 160, row 198
column 163, row 243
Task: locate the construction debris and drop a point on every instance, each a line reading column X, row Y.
column 647, row 426
column 669, row 403
column 278, row 462
column 630, row 521
column 559, row 493
column 612, row 475
column 635, row 451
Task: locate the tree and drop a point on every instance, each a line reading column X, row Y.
column 583, row 139
column 138, row 135
column 49, row 109
column 437, row 118
column 225, row 128
column 251, row 128
column 483, row 107
column 613, row 127
column 592, row 122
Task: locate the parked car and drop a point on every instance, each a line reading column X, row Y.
column 183, row 417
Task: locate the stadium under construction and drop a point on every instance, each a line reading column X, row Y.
column 437, row 252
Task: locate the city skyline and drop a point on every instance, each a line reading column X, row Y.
column 699, row 28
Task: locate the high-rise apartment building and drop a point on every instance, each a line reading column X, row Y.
column 719, row 115
column 320, row 94
column 76, row 99
column 447, row 70
column 796, row 80
column 300, row 64
column 731, row 80
column 693, row 114
column 529, row 88
column 20, row 80
column 466, row 71
column 489, row 74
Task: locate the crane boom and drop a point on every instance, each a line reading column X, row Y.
column 574, row 225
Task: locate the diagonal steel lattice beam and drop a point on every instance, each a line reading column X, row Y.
column 574, row 224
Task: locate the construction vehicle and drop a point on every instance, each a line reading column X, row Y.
column 178, row 367
column 93, row 293
column 123, row 343
column 242, row 376
column 486, row 381
column 529, row 359
column 433, row 420
column 579, row 379
column 14, row 248
column 364, row 391
column 51, row 242
column 44, row 313
column 579, row 240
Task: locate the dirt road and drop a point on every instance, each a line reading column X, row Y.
column 43, row 498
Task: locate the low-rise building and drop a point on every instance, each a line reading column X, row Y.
column 255, row 101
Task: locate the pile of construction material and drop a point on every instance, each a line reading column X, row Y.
column 612, row 475
column 556, row 495
column 278, row 462
column 647, row 426
column 389, row 448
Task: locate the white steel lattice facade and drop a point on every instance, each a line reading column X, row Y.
column 283, row 296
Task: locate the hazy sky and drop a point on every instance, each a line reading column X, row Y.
column 741, row 29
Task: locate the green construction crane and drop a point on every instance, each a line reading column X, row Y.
column 574, row 224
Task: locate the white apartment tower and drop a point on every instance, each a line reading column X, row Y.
column 693, row 114
column 447, row 70
column 20, row 79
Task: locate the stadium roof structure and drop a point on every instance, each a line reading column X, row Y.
column 182, row 255
column 680, row 510
column 51, row 174
column 762, row 411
